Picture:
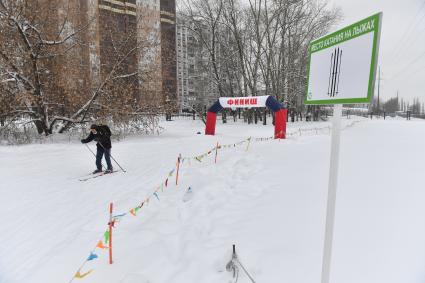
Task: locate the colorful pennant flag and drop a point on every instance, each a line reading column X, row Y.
column 79, row 275
column 92, row 256
column 106, row 236
column 100, row 245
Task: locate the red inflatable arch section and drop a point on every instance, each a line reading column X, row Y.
column 247, row 102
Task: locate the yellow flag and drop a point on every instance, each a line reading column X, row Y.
column 79, row 275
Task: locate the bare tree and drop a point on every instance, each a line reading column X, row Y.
column 204, row 18
column 263, row 44
column 48, row 75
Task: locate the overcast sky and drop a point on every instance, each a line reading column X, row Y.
column 402, row 46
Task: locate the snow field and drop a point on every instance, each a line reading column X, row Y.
column 270, row 201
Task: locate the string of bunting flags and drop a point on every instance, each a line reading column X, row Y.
column 200, row 157
column 102, row 243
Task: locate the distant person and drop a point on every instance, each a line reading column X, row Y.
column 101, row 134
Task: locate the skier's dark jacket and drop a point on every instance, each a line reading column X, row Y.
column 102, row 136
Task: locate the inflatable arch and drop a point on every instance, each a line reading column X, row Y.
column 247, row 102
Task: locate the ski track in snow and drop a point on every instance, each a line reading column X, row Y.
column 270, row 201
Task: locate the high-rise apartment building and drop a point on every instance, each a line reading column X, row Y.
column 196, row 83
column 140, row 34
column 118, row 30
column 168, row 51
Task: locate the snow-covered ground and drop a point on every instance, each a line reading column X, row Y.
column 269, row 200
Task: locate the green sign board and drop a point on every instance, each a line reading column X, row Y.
column 342, row 65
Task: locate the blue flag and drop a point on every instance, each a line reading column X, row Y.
column 92, row 256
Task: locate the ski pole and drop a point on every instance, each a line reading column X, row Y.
column 103, row 166
column 231, row 266
column 236, row 259
column 246, row 271
column 112, row 157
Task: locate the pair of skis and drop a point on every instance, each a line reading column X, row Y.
column 334, row 72
column 93, row 176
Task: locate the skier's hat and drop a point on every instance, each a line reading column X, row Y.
column 93, row 126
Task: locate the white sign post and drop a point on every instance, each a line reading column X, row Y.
column 342, row 70
column 333, row 181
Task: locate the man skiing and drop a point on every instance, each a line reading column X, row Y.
column 101, row 134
